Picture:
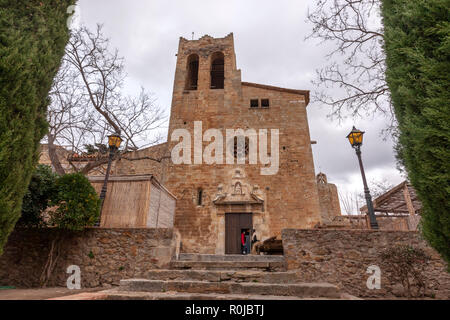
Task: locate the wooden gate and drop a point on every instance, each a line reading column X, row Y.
column 234, row 223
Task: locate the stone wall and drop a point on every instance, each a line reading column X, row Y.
column 385, row 222
column 342, row 257
column 394, row 223
column 153, row 160
column 105, row 256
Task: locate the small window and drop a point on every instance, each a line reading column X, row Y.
column 199, row 197
column 264, row 103
column 254, row 103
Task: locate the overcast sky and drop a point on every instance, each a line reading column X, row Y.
column 270, row 49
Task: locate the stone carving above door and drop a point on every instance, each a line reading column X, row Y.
column 238, row 190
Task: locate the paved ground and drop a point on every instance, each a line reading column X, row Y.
column 41, row 294
column 101, row 293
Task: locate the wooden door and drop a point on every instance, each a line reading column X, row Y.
column 234, row 223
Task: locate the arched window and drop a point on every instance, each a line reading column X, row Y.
column 217, row 70
column 192, row 72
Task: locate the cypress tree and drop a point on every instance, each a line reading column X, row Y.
column 33, row 34
column 417, row 45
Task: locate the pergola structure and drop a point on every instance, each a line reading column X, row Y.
column 401, row 199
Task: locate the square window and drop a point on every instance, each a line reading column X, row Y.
column 265, row 103
column 254, row 103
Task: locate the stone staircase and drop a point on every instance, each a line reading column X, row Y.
column 223, row 277
column 228, row 262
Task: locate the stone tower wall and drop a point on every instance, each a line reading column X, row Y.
column 290, row 196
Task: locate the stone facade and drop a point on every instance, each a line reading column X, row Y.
column 105, row 256
column 342, row 257
column 328, row 199
column 157, row 167
column 289, row 198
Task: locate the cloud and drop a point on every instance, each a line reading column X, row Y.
column 270, row 49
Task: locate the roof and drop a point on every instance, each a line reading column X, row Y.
column 400, row 199
column 304, row 93
column 134, row 178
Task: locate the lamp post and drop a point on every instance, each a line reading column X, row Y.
column 355, row 137
column 114, row 142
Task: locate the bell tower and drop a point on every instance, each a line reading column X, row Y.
column 206, row 80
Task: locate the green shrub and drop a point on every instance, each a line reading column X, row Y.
column 33, row 34
column 417, row 45
column 78, row 205
column 41, row 190
column 405, row 265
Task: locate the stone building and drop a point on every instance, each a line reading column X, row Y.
column 329, row 200
column 216, row 202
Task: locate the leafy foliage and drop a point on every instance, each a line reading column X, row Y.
column 405, row 264
column 41, row 190
column 78, row 205
column 33, row 34
column 417, row 45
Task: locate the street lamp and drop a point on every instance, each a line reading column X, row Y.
column 355, row 137
column 114, row 142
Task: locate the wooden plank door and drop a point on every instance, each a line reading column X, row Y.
column 234, row 223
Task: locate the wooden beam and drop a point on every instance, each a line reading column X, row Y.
column 390, row 210
column 408, row 200
column 144, row 177
column 398, row 206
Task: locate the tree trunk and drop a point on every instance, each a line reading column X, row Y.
column 53, row 255
column 54, row 156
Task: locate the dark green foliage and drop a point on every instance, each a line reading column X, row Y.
column 417, row 44
column 33, row 34
column 97, row 148
column 41, row 190
column 78, row 203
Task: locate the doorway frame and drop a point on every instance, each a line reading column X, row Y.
column 229, row 247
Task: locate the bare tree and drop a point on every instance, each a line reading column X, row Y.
column 377, row 188
column 357, row 64
column 350, row 202
column 88, row 104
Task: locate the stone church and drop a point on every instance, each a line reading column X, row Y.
column 216, row 202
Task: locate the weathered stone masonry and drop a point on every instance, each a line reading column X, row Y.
column 289, row 198
column 105, row 256
column 341, row 257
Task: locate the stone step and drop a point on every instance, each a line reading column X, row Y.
column 301, row 290
column 139, row 295
column 228, row 265
column 225, row 275
column 230, row 257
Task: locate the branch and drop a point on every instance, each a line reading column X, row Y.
column 350, row 25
